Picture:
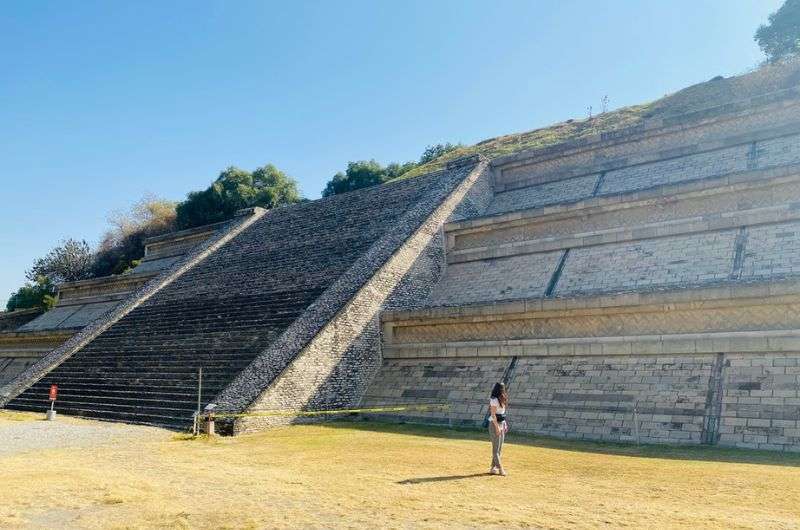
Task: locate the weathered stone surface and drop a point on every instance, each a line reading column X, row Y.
column 19, row 351
column 11, row 320
column 771, row 251
column 637, row 285
column 640, row 290
column 260, row 298
column 496, row 279
column 561, row 191
column 82, row 302
column 650, row 263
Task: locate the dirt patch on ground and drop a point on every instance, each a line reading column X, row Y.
column 355, row 475
column 27, row 432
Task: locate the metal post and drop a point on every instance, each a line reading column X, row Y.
column 199, row 399
column 210, row 431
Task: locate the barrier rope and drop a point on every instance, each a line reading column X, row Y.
column 433, row 407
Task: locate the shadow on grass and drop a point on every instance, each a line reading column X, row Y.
column 446, row 478
column 673, row 452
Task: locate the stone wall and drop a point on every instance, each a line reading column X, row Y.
column 717, row 129
column 641, row 287
column 19, row 351
column 705, row 366
column 718, row 234
column 735, row 399
column 11, row 320
column 747, row 156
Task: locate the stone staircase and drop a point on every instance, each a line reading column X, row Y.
column 224, row 311
column 126, row 375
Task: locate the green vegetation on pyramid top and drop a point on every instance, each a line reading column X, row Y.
column 718, row 91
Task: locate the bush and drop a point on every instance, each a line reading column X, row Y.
column 123, row 245
column 432, row 152
column 39, row 294
column 365, row 173
column 235, row 189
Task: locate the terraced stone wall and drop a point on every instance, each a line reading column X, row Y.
column 705, row 143
column 737, row 399
column 19, row 351
column 668, row 367
column 741, row 232
column 11, row 320
column 642, row 287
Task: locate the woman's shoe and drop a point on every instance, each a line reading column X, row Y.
column 502, row 472
column 494, row 471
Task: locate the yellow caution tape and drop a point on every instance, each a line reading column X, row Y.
column 285, row 412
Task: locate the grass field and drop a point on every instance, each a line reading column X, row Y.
column 375, row 475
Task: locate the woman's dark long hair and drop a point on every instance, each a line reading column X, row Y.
column 500, row 394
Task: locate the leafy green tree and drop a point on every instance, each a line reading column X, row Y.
column 360, row 174
column 780, row 37
column 363, row 174
column 40, row 293
column 68, row 262
column 432, row 152
column 395, row 169
column 235, row 189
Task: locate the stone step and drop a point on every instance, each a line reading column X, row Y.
column 178, row 350
column 158, row 420
column 135, row 370
column 74, row 389
column 154, row 361
column 109, row 404
column 234, row 310
column 221, row 328
column 132, row 402
column 189, row 384
column 192, row 336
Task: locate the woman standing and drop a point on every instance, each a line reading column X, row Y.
column 498, row 426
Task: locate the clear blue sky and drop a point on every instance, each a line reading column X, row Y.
column 102, row 102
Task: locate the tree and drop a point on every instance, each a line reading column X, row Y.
column 41, row 294
column 68, row 262
column 365, row 173
column 361, row 174
column 123, row 245
column 432, row 152
column 781, row 36
column 235, row 189
column 395, row 169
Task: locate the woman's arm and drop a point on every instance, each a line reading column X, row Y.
column 493, row 418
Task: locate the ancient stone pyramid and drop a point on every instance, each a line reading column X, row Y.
column 639, row 284
column 249, row 302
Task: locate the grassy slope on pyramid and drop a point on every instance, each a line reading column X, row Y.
column 718, row 91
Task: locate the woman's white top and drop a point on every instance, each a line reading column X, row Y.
column 496, row 403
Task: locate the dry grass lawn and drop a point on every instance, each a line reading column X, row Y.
column 374, row 475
